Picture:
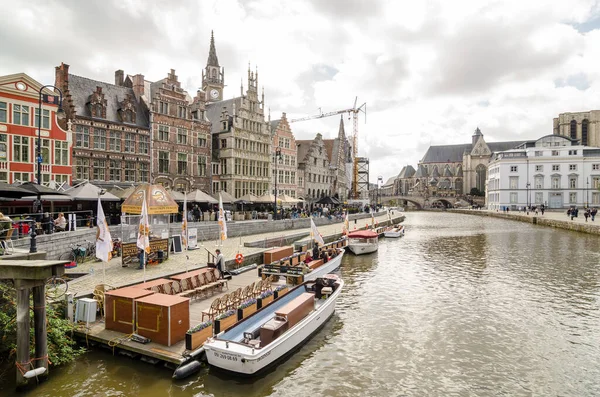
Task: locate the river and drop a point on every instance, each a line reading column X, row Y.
column 461, row 306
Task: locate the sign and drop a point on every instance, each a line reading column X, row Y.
column 176, row 246
column 192, row 239
column 130, row 252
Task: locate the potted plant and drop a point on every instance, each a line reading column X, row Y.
column 246, row 308
column 280, row 291
column 264, row 299
column 225, row 320
column 196, row 336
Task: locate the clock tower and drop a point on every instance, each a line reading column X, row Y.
column 213, row 79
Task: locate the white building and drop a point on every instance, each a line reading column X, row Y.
column 553, row 171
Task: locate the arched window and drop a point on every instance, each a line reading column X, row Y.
column 458, row 185
column 573, row 129
column 584, row 132
column 480, row 176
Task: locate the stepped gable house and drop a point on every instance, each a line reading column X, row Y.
column 313, row 166
column 111, row 125
column 286, row 173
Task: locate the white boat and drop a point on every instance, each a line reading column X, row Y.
column 395, row 232
column 363, row 242
column 327, row 267
column 277, row 330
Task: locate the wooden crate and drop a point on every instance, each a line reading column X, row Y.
column 163, row 318
column 276, row 254
column 119, row 306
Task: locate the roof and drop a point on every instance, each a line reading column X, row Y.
column 81, row 88
column 447, row 172
column 303, row 148
column 454, row 153
column 214, row 109
column 274, row 125
column 328, row 143
column 407, row 172
column 363, row 234
column 212, row 52
column 421, row 171
column 390, row 181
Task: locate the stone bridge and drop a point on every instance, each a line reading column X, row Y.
column 421, row 202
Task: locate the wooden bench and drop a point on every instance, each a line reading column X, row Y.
column 315, row 264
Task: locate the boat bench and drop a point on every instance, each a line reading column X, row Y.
column 315, row 264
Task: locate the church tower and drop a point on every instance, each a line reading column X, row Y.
column 213, row 77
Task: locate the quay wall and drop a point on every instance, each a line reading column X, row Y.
column 589, row 227
column 58, row 243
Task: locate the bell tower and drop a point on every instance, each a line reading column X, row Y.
column 213, row 76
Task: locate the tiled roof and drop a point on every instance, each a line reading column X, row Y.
column 421, row 172
column 214, row 109
column 454, row 153
column 81, row 88
column 328, row 143
column 303, row 148
column 407, row 172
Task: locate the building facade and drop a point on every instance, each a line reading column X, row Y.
column 285, row 168
column 313, row 164
column 337, row 152
column 111, row 127
column 554, row 170
column 19, row 121
column 581, row 126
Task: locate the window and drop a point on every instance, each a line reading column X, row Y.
column 572, row 167
column 163, row 133
column 514, row 198
column 584, row 132
column 3, row 110
column 143, row 145
column 3, row 147
column 539, row 168
column 115, row 170
column 128, row 116
column 130, row 171
column 99, row 170
column 539, row 197
column 573, row 198
column 513, row 168
column 82, row 136
column 539, row 153
column 99, row 139
column 129, row 143
column 182, row 163
column 21, row 177
column 223, row 143
column 114, row 141
column 202, row 141
column 164, row 107
column 144, row 172
column 45, row 118
column 181, row 136
column 45, row 151
column 555, row 152
column 539, row 182
column 556, row 182
column 21, row 148
column 61, row 179
column 163, row 162
column 572, row 182
column 20, row 114
column 595, row 167
column 555, row 167
column 82, row 168
column 182, row 112
column 572, row 152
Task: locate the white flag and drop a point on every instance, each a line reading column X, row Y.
column 346, row 228
column 184, row 224
column 222, row 223
column 104, row 244
column 372, row 220
column 314, row 233
column 143, row 240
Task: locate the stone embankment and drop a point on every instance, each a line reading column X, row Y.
column 555, row 219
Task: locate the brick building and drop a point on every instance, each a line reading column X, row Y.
column 287, row 166
column 313, row 167
column 19, row 104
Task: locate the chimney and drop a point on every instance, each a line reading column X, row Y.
column 61, row 76
column 119, row 77
column 138, row 85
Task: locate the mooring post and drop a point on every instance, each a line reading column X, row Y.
column 22, row 332
column 39, row 318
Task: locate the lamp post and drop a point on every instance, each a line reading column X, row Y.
column 528, row 185
column 587, row 192
column 276, row 160
column 379, row 182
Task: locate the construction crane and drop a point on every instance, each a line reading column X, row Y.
column 354, row 111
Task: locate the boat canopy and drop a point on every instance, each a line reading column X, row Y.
column 363, row 234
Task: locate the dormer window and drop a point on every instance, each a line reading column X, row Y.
column 128, row 116
column 127, row 110
column 97, row 104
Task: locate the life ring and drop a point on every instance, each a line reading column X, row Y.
column 239, row 258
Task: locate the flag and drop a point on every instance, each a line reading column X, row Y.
column 104, row 245
column 184, row 223
column 143, row 240
column 346, row 228
column 314, row 233
column 222, row 223
column 372, row 220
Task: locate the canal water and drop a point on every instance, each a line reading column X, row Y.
column 461, row 306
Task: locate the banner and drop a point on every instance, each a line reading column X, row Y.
column 222, row 223
column 192, row 238
column 184, row 224
column 104, row 244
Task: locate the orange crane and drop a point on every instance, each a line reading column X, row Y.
column 354, row 111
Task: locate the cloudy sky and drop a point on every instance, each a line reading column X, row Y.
column 430, row 72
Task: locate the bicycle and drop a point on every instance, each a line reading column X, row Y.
column 56, row 287
column 78, row 254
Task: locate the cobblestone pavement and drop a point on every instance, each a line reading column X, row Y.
column 118, row 276
column 556, row 215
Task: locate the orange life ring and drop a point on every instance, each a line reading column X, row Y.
column 239, row 258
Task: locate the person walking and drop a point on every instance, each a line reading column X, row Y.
column 586, row 214
column 593, row 213
column 220, row 261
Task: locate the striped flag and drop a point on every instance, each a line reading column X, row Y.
column 143, row 240
column 222, row 223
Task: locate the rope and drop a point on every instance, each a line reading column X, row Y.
column 118, row 340
column 21, row 366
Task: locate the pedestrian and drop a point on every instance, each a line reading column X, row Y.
column 219, row 261
column 543, row 208
column 593, row 213
column 586, row 214
column 315, row 253
column 569, row 213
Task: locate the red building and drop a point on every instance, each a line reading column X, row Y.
column 19, row 101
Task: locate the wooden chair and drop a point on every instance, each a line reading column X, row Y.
column 175, row 288
column 218, row 279
column 257, row 289
column 186, row 289
column 98, row 295
column 156, row 289
column 212, row 311
column 6, row 241
column 224, row 306
column 167, row 288
column 234, row 299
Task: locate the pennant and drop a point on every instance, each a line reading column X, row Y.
column 222, row 223
column 314, row 233
column 104, row 244
column 346, row 227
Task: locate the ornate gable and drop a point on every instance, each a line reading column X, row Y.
column 481, row 148
column 126, row 110
column 97, row 104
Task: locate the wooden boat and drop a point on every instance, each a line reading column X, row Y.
column 274, row 332
column 395, row 232
column 363, row 242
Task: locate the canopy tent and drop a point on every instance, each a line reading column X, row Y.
column 266, row 198
column 159, row 201
column 328, row 200
column 12, row 191
column 246, row 199
column 177, row 196
column 89, row 192
column 120, row 192
column 227, row 198
column 43, row 193
column 198, row 196
column 288, row 199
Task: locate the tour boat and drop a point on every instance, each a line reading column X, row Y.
column 363, row 242
column 330, row 266
column 277, row 330
column 395, row 232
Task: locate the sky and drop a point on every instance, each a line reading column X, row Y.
column 430, row 72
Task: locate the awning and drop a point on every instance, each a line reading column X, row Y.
column 158, row 200
column 89, row 192
column 227, row 198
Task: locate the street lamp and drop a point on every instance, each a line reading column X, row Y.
column 587, row 192
column 379, row 182
column 528, row 185
column 276, row 160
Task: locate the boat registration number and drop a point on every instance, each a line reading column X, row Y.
column 226, row 356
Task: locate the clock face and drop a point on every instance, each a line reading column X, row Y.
column 214, row 94
column 21, row 86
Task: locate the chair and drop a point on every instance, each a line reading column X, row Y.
column 6, row 241
column 156, row 289
column 236, row 298
column 212, row 311
column 226, row 303
column 186, row 290
column 217, row 276
column 168, row 288
column 175, row 288
column 99, row 296
column 257, row 289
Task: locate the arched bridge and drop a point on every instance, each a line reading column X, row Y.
column 420, row 201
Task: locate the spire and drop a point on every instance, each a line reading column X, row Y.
column 212, row 52
column 342, row 132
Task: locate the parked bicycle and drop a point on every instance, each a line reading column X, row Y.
column 56, row 287
column 79, row 253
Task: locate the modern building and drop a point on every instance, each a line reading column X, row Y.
column 111, row 125
column 581, row 126
column 313, row 166
column 554, row 170
column 285, row 165
column 19, row 121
